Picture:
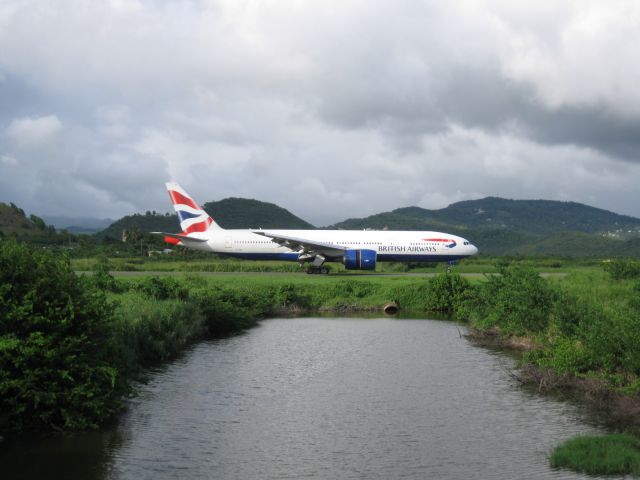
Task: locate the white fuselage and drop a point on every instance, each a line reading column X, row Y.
column 390, row 246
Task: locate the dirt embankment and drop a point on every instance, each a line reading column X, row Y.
column 619, row 409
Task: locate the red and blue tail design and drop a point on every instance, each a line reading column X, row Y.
column 192, row 217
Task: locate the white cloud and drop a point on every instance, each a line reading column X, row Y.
column 590, row 59
column 29, row 132
column 8, row 160
column 331, row 109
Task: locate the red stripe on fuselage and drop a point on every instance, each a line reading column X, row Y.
column 445, row 240
column 178, row 199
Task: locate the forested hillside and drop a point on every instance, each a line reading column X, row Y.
column 533, row 217
column 228, row 213
column 524, row 227
column 14, row 222
column 248, row 213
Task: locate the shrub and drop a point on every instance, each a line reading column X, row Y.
column 415, row 296
column 103, row 280
column 163, row 288
column 606, row 455
column 227, row 310
column 518, row 301
column 447, row 292
column 55, row 367
column 623, row 269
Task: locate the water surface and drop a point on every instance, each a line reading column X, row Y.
column 322, row 398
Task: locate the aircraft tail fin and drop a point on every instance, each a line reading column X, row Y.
column 192, row 217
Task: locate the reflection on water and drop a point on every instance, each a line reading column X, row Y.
column 321, row 398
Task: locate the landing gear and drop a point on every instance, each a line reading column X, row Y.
column 317, row 266
column 450, row 266
column 317, row 270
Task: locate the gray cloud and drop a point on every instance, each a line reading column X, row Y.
column 331, row 109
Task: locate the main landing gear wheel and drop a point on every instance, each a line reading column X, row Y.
column 317, row 270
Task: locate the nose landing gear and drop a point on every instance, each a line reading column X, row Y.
column 450, row 266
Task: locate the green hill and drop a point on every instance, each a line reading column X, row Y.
column 14, row 222
column 533, row 217
column 248, row 213
column 537, row 217
column 148, row 222
column 502, row 226
column 228, row 213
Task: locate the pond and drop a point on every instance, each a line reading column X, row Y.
column 321, row 398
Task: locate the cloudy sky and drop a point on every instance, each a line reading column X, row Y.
column 332, row 109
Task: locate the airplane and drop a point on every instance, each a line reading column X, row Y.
column 356, row 249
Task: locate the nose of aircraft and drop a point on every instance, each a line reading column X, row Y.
column 474, row 249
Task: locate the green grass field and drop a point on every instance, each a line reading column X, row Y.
column 220, row 264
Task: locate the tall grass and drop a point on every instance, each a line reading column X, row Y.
column 147, row 330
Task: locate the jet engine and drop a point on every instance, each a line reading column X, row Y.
column 360, row 259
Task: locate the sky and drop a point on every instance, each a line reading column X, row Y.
column 331, row 109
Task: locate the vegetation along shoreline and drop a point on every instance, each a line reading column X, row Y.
column 70, row 345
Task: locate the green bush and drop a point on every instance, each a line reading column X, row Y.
column 56, row 370
column 615, row 341
column 623, row 269
column 103, row 280
column 415, row 296
column 518, row 301
column 230, row 310
column 606, row 455
column 446, row 292
column 163, row 288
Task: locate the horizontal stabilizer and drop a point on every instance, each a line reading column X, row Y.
column 180, row 236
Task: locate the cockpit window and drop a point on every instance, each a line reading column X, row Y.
column 466, row 243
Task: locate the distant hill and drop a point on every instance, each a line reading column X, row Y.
column 147, row 222
column 248, row 213
column 78, row 224
column 228, row 213
column 501, row 226
column 14, row 222
column 534, row 217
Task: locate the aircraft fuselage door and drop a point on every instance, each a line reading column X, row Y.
column 228, row 242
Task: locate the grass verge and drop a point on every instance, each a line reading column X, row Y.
column 617, row 454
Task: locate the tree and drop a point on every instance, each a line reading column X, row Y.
column 55, row 368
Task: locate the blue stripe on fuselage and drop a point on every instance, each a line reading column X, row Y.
column 384, row 257
column 293, row 256
column 287, row 256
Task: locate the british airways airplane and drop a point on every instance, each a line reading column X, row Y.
column 356, row 249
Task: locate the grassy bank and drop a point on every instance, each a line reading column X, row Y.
column 580, row 332
column 606, row 455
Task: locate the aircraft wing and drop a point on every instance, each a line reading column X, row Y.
column 178, row 236
column 298, row 243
